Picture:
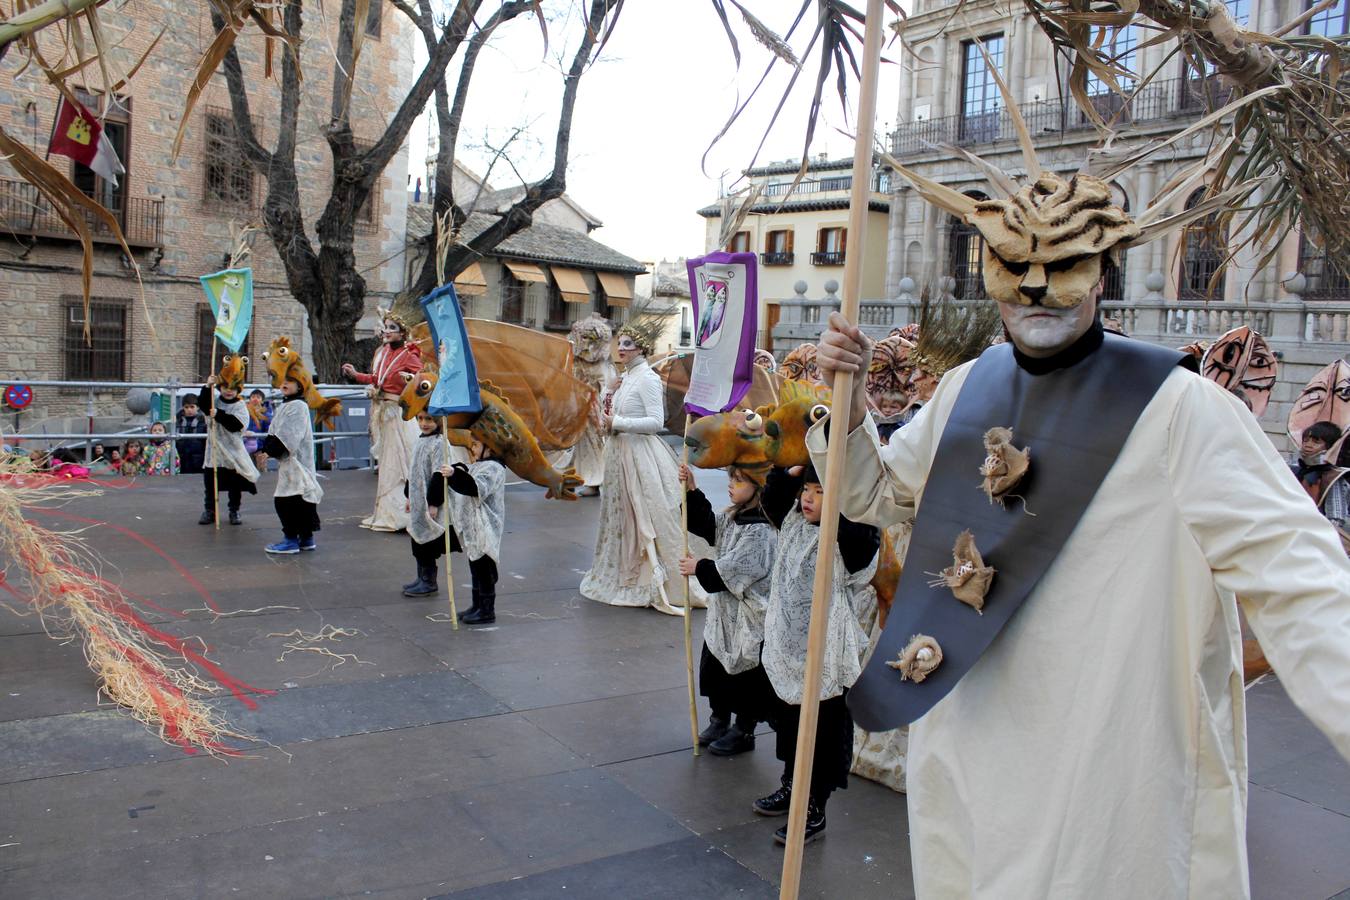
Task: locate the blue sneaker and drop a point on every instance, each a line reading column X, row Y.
column 308, row 544
column 285, row 545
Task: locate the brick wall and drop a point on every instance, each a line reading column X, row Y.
column 196, row 232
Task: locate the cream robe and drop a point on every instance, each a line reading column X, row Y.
column 295, row 473
column 229, row 445
column 1098, row 748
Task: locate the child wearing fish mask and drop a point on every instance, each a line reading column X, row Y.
column 737, row 583
column 793, row 501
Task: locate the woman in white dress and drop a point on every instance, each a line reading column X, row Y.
column 638, row 549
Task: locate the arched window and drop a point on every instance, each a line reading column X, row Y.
column 965, row 256
column 1114, row 289
column 1326, row 280
column 1202, row 253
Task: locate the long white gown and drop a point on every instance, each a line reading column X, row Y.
column 1098, row 748
column 638, row 548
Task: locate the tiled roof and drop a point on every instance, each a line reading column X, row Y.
column 714, row 210
column 794, row 165
column 541, row 242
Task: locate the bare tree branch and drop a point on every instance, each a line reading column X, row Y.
column 247, row 137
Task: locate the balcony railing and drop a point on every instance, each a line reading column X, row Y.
column 1156, row 101
column 834, row 258
column 775, row 259
column 23, row 211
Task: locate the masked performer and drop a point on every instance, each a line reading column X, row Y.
column 290, row 439
column 229, row 466
column 800, row 364
column 1082, row 662
column 888, row 384
column 391, row 438
column 637, row 551
column 1242, row 361
column 591, row 364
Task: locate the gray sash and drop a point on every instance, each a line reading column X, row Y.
column 1075, row 420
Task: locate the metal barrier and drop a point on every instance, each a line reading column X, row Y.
column 354, row 399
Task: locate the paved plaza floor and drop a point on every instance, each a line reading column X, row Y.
column 547, row 756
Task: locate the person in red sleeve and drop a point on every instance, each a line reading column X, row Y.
column 391, row 438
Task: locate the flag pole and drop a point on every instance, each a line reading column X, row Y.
column 688, row 611
column 835, row 460
column 445, row 504
column 215, row 453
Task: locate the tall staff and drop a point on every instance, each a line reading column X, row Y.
column 211, row 436
column 445, row 503
column 834, row 465
column 688, row 607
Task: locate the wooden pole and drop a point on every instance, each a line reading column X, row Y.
column 211, row 433
column 445, row 504
column 688, row 609
column 834, row 466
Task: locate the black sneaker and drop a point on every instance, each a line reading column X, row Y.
column 207, row 518
column 234, row 517
column 815, row 827
column 716, row 728
column 776, row 804
column 733, row 742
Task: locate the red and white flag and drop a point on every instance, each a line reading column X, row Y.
column 80, row 135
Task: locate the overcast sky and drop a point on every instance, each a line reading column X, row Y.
column 646, row 112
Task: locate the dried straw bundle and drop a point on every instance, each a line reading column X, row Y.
column 139, row 666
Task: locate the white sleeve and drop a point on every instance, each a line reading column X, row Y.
column 883, row 482
column 651, row 392
column 1266, row 542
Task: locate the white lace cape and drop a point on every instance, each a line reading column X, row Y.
column 734, row 627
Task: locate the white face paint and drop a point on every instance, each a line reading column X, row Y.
column 1042, row 331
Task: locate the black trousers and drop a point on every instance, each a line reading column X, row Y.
column 834, row 744
column 299, row 518
column 741, row 695
column 232, row 485
column 483, row 570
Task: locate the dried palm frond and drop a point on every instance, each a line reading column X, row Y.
column 148, row 671
column 951, row 334
column 734, row 212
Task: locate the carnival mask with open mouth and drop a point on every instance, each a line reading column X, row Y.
column 1326, row 398
column 1242, row 359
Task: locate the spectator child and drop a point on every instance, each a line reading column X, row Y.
column 158, row 457
column 191, row 451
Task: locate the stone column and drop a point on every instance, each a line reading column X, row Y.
column 895, row 244
column 1139, row 261
column 942, row 77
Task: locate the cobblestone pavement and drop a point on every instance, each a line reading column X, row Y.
column 547, row 756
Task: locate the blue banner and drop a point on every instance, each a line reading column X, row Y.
column 230, row 294
column 457, row 385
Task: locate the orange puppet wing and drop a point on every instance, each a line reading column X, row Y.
column 674, row 369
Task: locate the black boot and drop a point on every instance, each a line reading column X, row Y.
column 477, row 604
column 717, row 726
column 777, row 803
column 736, row 740
column 426, row 583
column 815, row 824
column 415, row 582
column 234, row 517
column 208, row 517
column 486, row 613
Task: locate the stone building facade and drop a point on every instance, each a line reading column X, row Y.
column 178, row 214
column 1167, row 291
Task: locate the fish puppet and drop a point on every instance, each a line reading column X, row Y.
column 499, row 428
column 284, row 362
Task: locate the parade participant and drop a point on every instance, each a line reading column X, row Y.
column 191, row 451
column 793, row 503
column 478, row 517
column 428, row 512
column 1242, row 362
column 888, row 383
column 229, row 467
column 800, row 364
column 591, row 364
column 1326, row 398
column 290, row 440
column 1325, row 483
column 765, row 360
column 1075, row 674
column 391, row 438
column 737, row 583
column 638, row 548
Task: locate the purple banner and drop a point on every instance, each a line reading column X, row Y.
column 725, row 294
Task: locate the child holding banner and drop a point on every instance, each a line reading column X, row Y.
column 229, row 468
column 737, row 584
column 794, row 503
column 427, row 509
